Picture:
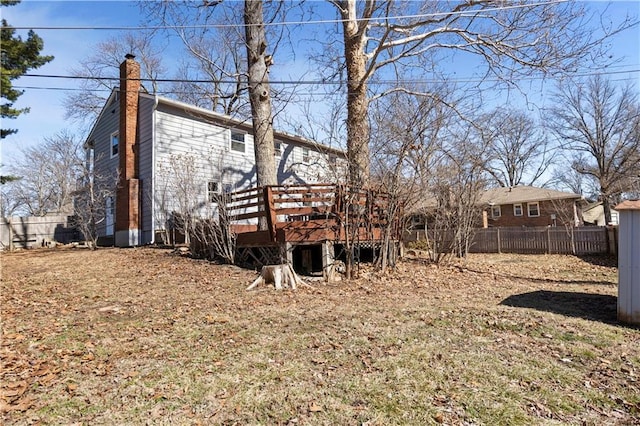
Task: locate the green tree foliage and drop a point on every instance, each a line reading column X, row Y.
column 18, row 57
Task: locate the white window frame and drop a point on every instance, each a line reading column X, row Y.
column 114, row 135
column 333, row 159
column 515, row 212
column 110, row 216
column 237, row 143
column 529, row 205
column 213, row 188
column 493, row 212
column 277, row 148
column 306, row 155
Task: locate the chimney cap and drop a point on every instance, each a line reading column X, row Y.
column 130, row 56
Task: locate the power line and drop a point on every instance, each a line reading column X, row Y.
column 327, row 82
column 469, row 13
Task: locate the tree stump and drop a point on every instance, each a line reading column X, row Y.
column 280, row 275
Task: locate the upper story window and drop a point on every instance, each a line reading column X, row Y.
column 517, row 209
column 496, row 212
column 333, row 159
column 305, row 155
column 534, row 209
column 277, row 148
column 114, row 144
column 237, row 141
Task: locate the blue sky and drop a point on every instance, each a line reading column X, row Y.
column 68, row 46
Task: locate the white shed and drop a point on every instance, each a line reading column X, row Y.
column 629, row 262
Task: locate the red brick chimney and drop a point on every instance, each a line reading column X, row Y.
column 128, row 195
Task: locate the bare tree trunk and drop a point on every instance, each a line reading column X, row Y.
column 259, row 92
column 357, row 101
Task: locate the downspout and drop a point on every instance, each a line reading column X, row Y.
column 153, row 169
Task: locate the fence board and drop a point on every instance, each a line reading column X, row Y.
column 537, row 240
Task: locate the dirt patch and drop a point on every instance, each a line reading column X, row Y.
column 131, row 336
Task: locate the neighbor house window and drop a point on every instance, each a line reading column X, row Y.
column 277, row 148
column 534, row 209
column 517, row 209
column 496, row 212
column 237, row 141
column 213, row 188
column 305, row 155
column 114, row 144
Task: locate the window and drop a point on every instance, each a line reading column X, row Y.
column 496, row 212
column 277, row 148
column 333, row 159
column 110, row 216
column 114, row 144
column 517, row 209
column 237, row 141
column 305, row 155
column 213, row 189
column 534, row 209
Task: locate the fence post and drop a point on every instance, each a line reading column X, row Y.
column 573, row 242
column 498, row 234
column 10, row 234
column 548, row 240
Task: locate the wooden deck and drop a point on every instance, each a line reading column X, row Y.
column 306, row 214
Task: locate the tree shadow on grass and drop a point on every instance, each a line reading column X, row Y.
column 595, row 307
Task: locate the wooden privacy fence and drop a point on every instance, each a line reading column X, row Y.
column 540, row 240
column 36, row 231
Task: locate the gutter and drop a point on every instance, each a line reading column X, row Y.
column 153, row 170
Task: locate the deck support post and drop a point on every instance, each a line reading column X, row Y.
column 328, row 260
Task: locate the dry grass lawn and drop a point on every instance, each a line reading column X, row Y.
column 144, row 336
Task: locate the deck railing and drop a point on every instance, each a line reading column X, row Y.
column 310, row 207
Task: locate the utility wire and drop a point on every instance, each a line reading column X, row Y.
column 322, row 82
column 469, row 13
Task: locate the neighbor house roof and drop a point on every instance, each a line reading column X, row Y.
column 524, row 194
column 629, row 205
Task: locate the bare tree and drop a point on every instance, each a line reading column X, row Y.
column 509, row 40
column 180, row 189
column 598, row 123
column 258, row 61
column 85, row 105
column 93, row 197
column 48, row 172
column 518, row 150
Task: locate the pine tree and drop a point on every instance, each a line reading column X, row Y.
column 18, row 57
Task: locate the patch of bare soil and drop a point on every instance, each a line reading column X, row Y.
column 145, row 336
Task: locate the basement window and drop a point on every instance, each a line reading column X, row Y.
column 237, row 141
column 517, row 209
column 114, row 144
column 534, row 209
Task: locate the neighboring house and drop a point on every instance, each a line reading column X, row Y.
column 157, row 147
column 593, row 214
column 529, row 206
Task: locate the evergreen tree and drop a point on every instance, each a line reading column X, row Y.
column 18, row 57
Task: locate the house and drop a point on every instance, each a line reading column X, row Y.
column 156, row 148
column 593, row 214
column 529, row 206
